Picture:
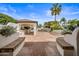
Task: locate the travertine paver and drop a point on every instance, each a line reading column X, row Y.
column 43, row 44
column 41, row 37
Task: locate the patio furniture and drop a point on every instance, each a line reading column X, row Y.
column 69, row 44
column 13, row 48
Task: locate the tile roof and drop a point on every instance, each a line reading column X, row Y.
column 26, row 21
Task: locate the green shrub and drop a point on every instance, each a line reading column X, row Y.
column 7, row 31
column 54, row 25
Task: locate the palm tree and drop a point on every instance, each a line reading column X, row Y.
column 55, row 10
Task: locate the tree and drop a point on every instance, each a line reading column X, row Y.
column 47, row 24
column 54, row 25
column 40, row 25
column 78, row 23
column 4, row 19
column 55, row 10
column 72, row 24
column 63, row 21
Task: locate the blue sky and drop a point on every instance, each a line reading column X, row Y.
column 39, row 11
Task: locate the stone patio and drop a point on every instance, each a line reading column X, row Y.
column 43, row 44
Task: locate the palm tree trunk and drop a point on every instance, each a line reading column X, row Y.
column 55, row 17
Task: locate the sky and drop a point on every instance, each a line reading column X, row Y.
column 39, row 11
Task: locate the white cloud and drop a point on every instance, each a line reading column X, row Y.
column 74, row 13
column 48, row 13
column 12, row 9
column 11, row 12
column 14, row 15
column 7, row 9
column 41, row 18
column 33, row 16
column 71, row 10
column 4, row 9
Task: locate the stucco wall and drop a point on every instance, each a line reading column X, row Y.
column 73, row 39
column 6, row 40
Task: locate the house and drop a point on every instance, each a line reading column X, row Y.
column 28, row 26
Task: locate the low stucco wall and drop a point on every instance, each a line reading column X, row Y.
column 64, row 52
column 18, row 48
column 73, row 39
column 7, row 40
